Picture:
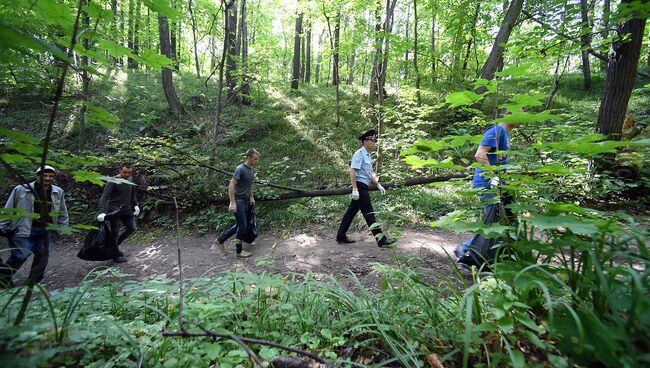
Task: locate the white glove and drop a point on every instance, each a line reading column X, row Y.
column 381, row 189
column 355, row 194
column 100, row 217
column 494, row 182
column 233, row 207
column 252, row 201
column 136, row 211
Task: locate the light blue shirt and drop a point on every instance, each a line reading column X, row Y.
column 362, row 162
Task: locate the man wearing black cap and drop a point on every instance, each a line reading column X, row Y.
column 361, row 176
column 27, row 233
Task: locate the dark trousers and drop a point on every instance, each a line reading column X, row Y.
column 129, row 227
column 21, row 248
column 363, row 204
column 240, row 226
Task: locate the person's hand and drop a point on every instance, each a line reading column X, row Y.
column 252, row 201
column 381, row 188
column 101, row 216
column 9, row 234
column 136, row 211
column 233, row 207
column 355, row 194
column 494, row 182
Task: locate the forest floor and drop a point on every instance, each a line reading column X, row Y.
column 300, row 252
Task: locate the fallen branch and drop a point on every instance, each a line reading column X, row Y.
column 347, row 189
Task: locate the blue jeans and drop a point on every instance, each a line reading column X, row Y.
column 240, row 226
column 21, row 248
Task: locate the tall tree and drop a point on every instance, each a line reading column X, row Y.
column 621, row 75
column 433, row 45
column 130, row 62
column 114, row 26
column 303, row 45
column 136, row 32
column 295, row 76
column 85, row 80
column 585, row 41
column 231, row 63
column 415, row 52
column 308, row 52
column 167, row 81
column 196, row 52
column 335, row 49
column 246, row 86
column 492, row 62
column 605, row 34
column 406, row 37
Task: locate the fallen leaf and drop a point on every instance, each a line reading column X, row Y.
column 433, row 361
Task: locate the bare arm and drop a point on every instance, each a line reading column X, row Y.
column 481, row 155
column 353, row 178
column 231, row 190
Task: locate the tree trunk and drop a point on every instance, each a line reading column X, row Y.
column 585, row 40
column 353, row 56
column 621, row 75
column 606, row 16
column 213, row 53
column 492, row 62
column 167, row 82
column 121, row 59
column 308, row 60
column 136, row 33
column 648, row 61
column 85, row 84
column 148, row 29
column 246, row 87
column 347, row 189
column 471, row 40
column 303, row 45
column 114, row 27
column 226, row 39
column 335, row 48
column 406, row 37
column 130, row 62
column 196, row 53
column 433, row 47
column 231, row 63
column 319, row 57
column 295, row 77
column 415, row 52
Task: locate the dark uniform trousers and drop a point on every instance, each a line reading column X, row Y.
column 363, row 204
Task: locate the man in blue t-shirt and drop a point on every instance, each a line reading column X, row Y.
column 491, row 152
column 241, row 198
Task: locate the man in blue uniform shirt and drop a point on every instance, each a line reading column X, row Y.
column 361, row 176
column 495, row 139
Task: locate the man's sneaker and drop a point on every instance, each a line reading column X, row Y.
column 385, row 242
column 119, row 259
column 244, row 254
column 220, row 246
column 345, row 240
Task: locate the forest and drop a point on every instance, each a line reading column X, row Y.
column 174, row 172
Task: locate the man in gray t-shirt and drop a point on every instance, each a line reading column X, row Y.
column 241, row 198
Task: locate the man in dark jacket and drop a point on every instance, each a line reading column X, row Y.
column 120, row 195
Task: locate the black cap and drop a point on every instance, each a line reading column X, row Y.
column 371, row 135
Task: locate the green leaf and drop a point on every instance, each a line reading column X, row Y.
column 163, row 8
column 13, row 38
column 91, row 176
column 114, row 49
column 515, row 71
column 491, row 85
column 100, row 116
column 519, row 117
column 96, row 11
column 153, row 59
column 417, row 162
column 463, row 98
column 555, row 169
column 518, row 102
column 20, row 136
column 572, row 223
column 15, row 158
column 15, row 214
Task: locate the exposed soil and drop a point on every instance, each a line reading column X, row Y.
column 303, row 252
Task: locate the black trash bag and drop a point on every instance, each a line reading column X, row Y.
column 251, row 228
column 100, row 244
column 483, row 250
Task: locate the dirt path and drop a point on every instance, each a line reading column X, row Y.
column 302, row 252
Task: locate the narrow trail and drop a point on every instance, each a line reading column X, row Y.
column 318, row 254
